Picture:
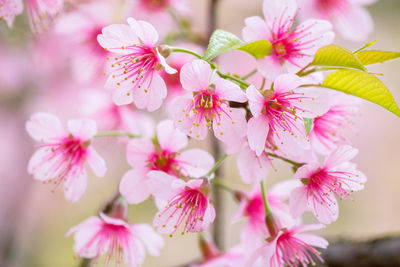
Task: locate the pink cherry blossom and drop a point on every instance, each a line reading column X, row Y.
column 62, row 156
column 163, row 155
column 349, row 17
column 252, row 208
column 9, row 9
column 209, row 106
column 337, row 177
column 188, row 203
column 135, row 68
column 233, row 257
column 116, row 238
column 325, row 134
column 290, row 247
column 80, row 29
column 291, row 50
column 42, row 13
column 278, row 114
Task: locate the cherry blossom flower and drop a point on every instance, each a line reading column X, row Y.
column 337, row 177
column 349, row 17
column 252, row 208
column 290, row 247
column 188, row 203
column 80, row 29
column 135, row 68
column 163, row 155
column 325, row 134
column 209, row 105
column 233, row 257
column 116, row 238
column 42, row 13
column 291, row 50
column 62, row 156
column 278, row 113
column 9, row 9
column 157, row 12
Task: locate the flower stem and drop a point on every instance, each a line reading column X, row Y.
column 294, row 163
column 216, row 165
column 221, row 184
column 240, row 81
column 245, row 77
column 112, row 133
column 264, row 195
column 183, row 50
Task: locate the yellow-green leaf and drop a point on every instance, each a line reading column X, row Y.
column 334, row 56
column 220, row 43
column 257, row 49
column 363, row 85
column 374, row 56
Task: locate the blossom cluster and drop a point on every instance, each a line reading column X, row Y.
column 287, row 117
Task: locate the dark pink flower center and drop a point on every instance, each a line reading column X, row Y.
column 113, row 239
column 255, row 209
column 323, row 182
column 190, row 204
column 164, row 161
column 293, row 251
column 67, row 158
column 282, row 111
column 207, row 105
column 137, row 67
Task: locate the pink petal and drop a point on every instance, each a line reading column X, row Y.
column 257, row 133
column 83, row 129
column 122, row 95
column 298, row 201
column 116, row 36
column 279, row 14
column 287, row 82
column 323, row 212
column 195, row 75
column 256, row 29
column 40, row 167
column 168, row 69
column 152, row 241
column 208, row 218
column 44, row 127
column 75, row 186
column 231, row 127
column 144, row 31
column 306, row 171
column 313, row 240
column 228, row 90
column 354, row 24
column 138, row 151
column 134, row 186
column 340, row 155
column 196, row 162
column 256, row 100
column 252, row 168
column 152, row 96
column 169, row 138
column 164, row 186
column 269, row 67
column 96, row 162
column 313, row 34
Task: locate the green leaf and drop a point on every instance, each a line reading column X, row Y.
column 365, row 46
column 220, row 43
column 375, row 56
column 257, row 49
column 308, row 123
column 334, row 56
column 363, row 85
